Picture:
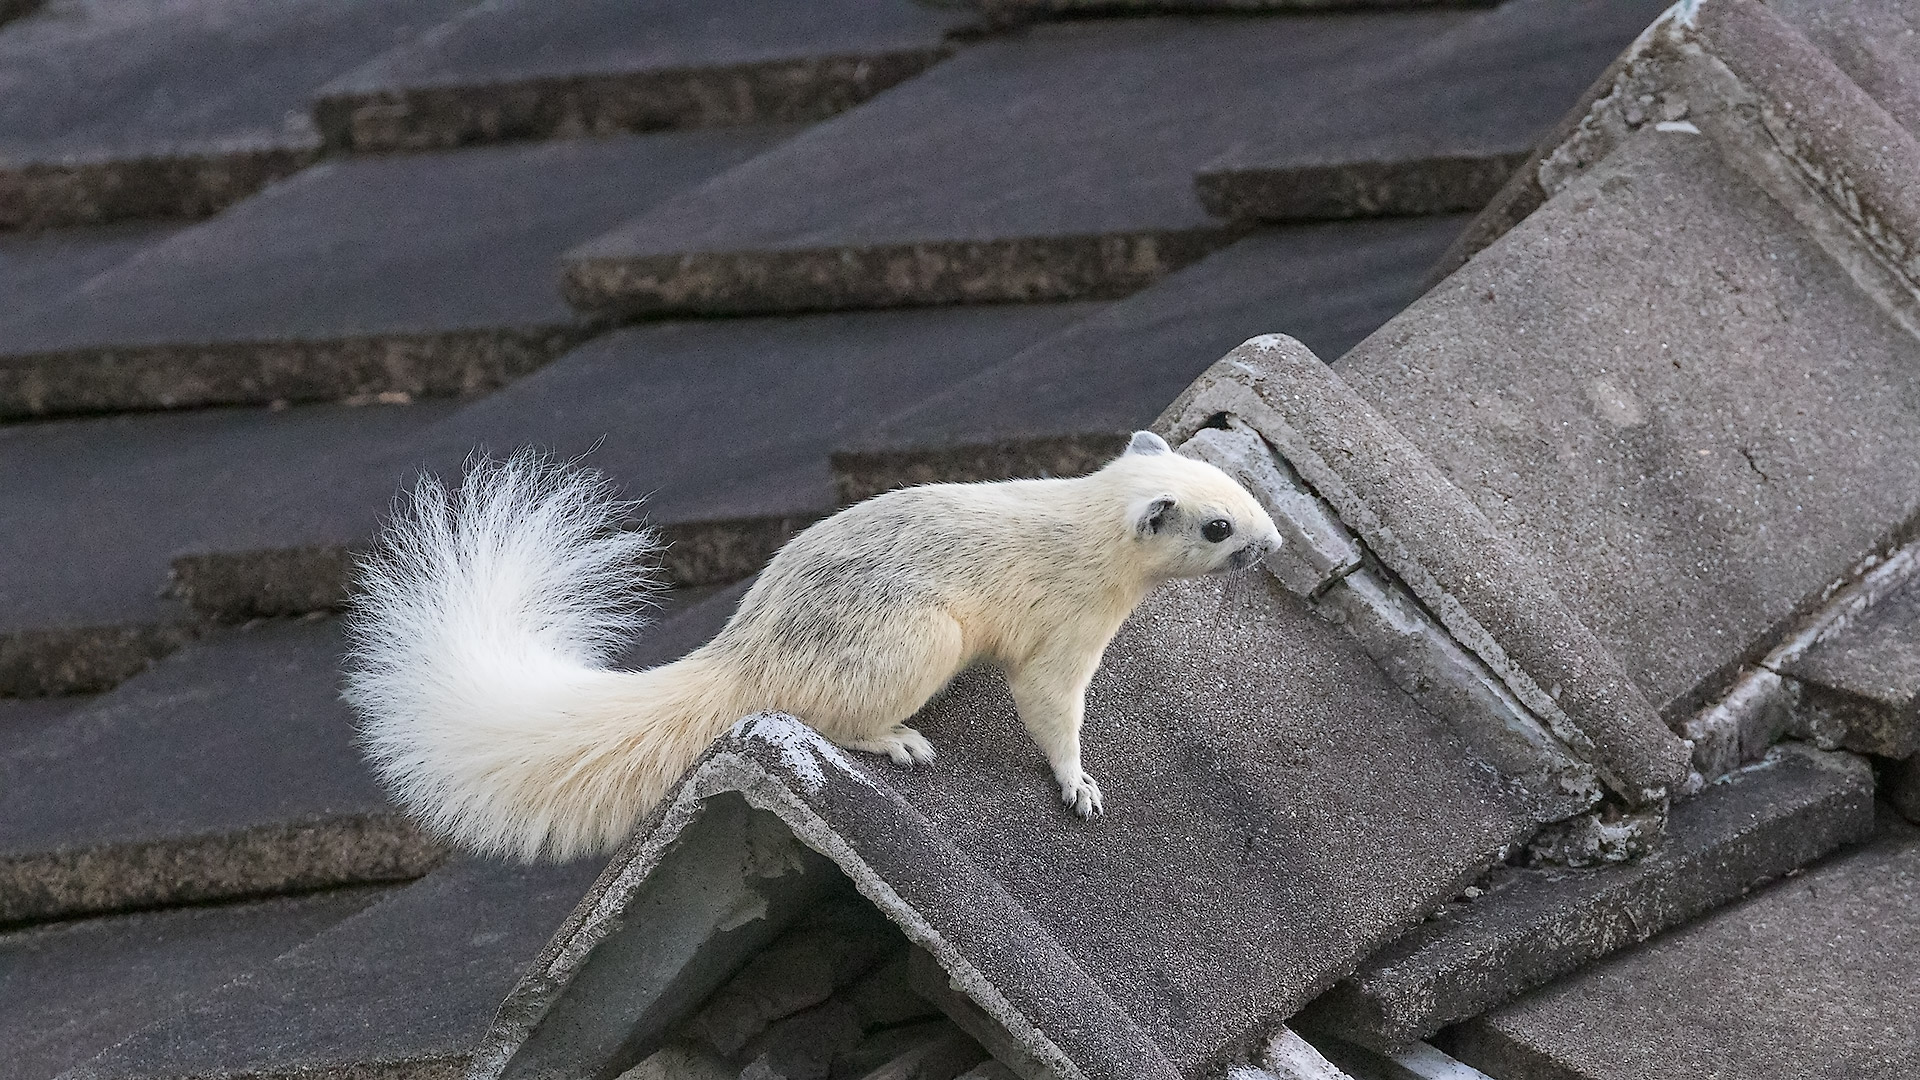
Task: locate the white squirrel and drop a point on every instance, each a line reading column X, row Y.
column 484, row 621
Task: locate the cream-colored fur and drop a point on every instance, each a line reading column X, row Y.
column 485, row 619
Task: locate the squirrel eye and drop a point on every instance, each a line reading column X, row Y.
column 1217, row 530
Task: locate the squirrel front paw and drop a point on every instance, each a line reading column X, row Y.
column 1082, row 794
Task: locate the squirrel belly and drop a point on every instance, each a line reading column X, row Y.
column 484, row 622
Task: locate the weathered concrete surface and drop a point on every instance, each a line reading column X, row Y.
column 100, row 119
column 96, row 510
column 1876, row 42
column 1062, row 406
column 641, row 405
column 402, row 990
column 1268, row 794
column 1811, row 977
column 36, row 662
column 227, row 771
column 520, row 69
column 1052, row 164
column 1437, row 130
column 69, row 991
column 1532, row 926
column 1671, row 398
column 1860, row 688
column 410, row 274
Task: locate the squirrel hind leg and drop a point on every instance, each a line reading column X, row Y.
column 898, row 674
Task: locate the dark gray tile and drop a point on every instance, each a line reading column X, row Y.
column 403, row 989
column 97, row 508
column 526, row 69
column 1437, row 129
column 71, row 990
column 228, row 770
column 432, row 273
column 725, row 426
column 151, row 108
column 1053, row 163
column 1060, row 406
column 1860, row 685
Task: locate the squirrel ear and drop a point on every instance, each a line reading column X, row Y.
column 1151, row 516
column 1146, row 442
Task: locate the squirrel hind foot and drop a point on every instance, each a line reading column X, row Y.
column 901, row 744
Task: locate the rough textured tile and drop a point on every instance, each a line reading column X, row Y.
column 416, row 274
column 229, row 770
column 1060, row 407
column 1305, row 809
column 1861, row 687
column 1680, row 406
column 1438, row 129
column 69, row 991
column 402, row 990
column 1051, row 164
column 642, row 405
column 1809, row 978
column 1535, row 925
column 522, row 69
column 1470, row 577
column 100, row 118
column 1876, row 42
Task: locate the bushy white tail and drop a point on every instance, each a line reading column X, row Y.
column 481, row 629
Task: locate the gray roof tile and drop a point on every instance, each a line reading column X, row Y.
column 134, row 108
column 185, row 785
column 71, row 990
column 526, row 69
column 1051, row 164
column 1535, row 925
column 642, row 404
column 1811, row 977
column 403, row 989
column 1709, row 445
column 1437, row 129
column 410, row 273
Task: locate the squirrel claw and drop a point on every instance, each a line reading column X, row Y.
column 1083, row 796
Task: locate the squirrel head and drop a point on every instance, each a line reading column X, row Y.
column 1187, row 517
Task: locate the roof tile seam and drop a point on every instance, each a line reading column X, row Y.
column 1760, row 707
column 1576, row 656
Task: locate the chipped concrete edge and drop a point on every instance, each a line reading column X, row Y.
column 363, row 113
column 321, row 852
column 375, row 368
column 1762, row 705
column 602, row 280
column 1493, row 600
